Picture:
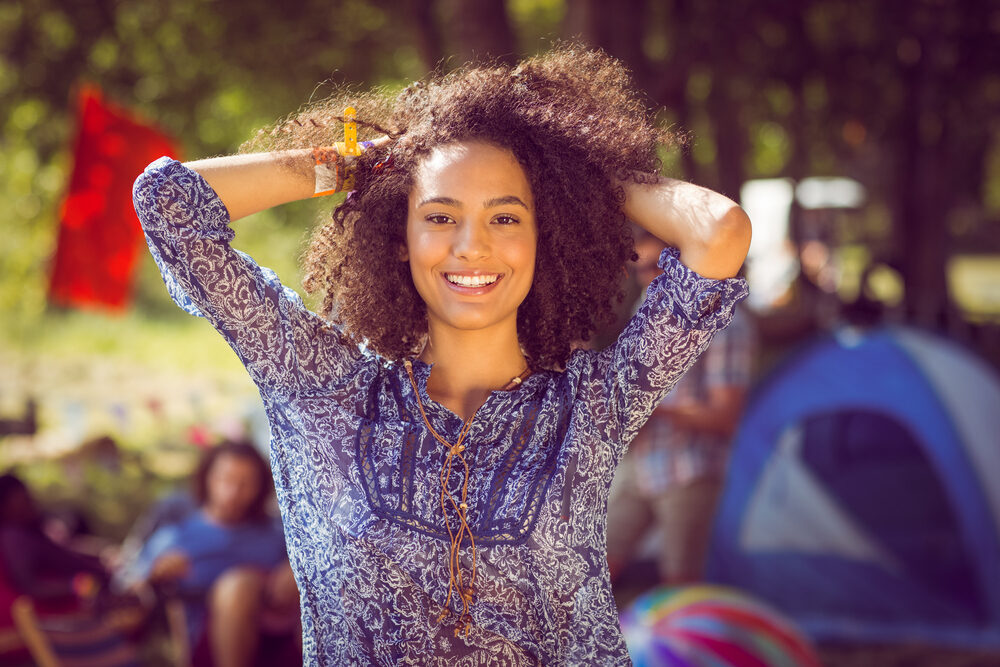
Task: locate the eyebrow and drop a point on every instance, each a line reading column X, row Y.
column 489, row 203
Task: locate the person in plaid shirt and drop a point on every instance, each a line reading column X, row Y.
column 673, row 474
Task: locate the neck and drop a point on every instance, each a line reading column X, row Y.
column 216, row 517
column 468, row 365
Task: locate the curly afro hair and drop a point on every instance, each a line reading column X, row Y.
column 574, row 122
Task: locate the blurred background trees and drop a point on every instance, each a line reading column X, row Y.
column 900, row 95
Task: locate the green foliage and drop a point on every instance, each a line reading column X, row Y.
column 771, row 149
column 209, row 73
column 29, row 194
column 536, row 21
column 767, row 89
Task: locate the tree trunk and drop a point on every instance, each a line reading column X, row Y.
column 428, row 37
column 922, row 198
column 482, row 31
column 730, row 135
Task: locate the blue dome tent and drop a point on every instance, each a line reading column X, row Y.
column 863, row 496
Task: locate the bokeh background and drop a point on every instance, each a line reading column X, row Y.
column 900, row 99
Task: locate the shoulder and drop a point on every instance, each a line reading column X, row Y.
column 191, row 527
column 264, row 537
column 580, row 367
column 579, row 358
column 164, row 538
column 268, row 527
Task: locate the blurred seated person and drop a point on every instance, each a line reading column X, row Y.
column 32, row 563
column 227, row 562
column 65, row 587
column 167, row 511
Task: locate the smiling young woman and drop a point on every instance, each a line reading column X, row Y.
column 444, row 487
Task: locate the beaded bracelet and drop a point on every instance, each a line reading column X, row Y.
column 329, row 171
column 332, row 172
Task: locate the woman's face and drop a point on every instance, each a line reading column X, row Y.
column 231, row 486
column 471, row 220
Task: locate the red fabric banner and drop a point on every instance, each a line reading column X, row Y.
column 99, row 234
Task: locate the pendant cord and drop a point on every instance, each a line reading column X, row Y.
column 455, row 579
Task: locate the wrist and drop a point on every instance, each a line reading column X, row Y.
column 331, row 170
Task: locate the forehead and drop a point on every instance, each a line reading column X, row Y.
column 472, row 168
column 230, row 464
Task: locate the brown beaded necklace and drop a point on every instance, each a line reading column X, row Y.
column 455, row 582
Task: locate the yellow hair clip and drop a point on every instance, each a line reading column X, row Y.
column 349, row 146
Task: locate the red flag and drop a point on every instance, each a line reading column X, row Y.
column 99, row 234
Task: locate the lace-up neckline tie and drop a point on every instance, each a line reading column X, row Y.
column 456, row 584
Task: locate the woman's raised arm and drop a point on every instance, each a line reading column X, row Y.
column 254, row 182
column 711, row 231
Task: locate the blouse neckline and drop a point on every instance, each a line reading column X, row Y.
column 422, row 372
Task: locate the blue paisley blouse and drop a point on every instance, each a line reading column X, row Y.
column 357, row 472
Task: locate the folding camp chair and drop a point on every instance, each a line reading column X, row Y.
column 77, row 641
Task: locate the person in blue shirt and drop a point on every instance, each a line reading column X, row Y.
column 226, row 560
column 441, row 442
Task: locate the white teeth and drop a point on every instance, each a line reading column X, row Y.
column 472, row 281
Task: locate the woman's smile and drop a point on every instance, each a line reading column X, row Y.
column 475, row 283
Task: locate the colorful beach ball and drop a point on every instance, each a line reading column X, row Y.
column 711, row 626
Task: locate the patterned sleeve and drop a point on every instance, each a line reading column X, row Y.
column 281, row 343
column 675, row 323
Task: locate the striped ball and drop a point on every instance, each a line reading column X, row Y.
column 711, row 626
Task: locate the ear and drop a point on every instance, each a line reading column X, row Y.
column 404, row 253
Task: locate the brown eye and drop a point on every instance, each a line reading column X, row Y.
column 438, row 219
column 506, row 220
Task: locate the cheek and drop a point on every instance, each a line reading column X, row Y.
column 421, row 258
column 527, row 256
column 425, row 249
column 249, row 493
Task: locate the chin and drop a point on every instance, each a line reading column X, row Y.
column 466, row 325
column 474, row 321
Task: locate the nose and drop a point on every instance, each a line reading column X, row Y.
column 472, row 241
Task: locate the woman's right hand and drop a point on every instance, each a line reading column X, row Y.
column 171, row 566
